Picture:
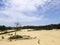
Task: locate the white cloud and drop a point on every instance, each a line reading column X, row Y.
column 14, row 16
column 16, row 7
column 27, row 4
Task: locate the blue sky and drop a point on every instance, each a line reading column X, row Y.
column 29, row 12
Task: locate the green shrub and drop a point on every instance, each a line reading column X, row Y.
column 16, row 37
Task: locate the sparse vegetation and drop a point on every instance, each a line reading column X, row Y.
column 15, row 37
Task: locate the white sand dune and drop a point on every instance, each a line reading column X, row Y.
column 51, row 37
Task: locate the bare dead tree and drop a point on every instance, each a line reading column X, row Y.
column 17, row 26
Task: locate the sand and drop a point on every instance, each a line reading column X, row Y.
column 51, row 37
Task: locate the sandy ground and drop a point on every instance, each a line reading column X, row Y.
column 51, row 37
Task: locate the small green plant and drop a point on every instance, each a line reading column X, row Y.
column 15, row 37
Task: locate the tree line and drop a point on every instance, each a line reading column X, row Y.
column 45, row 27
column 3, row 28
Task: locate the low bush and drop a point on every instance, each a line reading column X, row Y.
column 15, row 37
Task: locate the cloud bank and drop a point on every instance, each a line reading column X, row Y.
column 25, row 10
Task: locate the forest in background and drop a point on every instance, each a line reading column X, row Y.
column 45, row 27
